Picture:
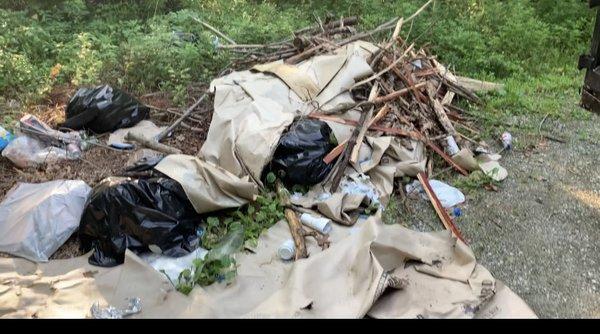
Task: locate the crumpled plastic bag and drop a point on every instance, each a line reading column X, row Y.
column 142, row 215
column 134, row 306
column 103, row 109
column 36, row 219
column 298, row 158
column 172, row 266
column 25, row 151
column 448, row 195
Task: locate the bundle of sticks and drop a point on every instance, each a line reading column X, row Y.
column 410, row 95
column 304, row 43
column 323, row 37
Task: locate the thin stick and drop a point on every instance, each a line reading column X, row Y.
column 385, row 70
column 396, row 94
column 446, row 157
column 439, row 209
column 335, row 152
column 175, row 124
column 213, row 29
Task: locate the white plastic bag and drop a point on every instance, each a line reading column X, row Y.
column 172, row 266
column 37, row 218
column 25, row 151
column 448, row 195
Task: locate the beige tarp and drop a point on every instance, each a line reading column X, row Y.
column 252, row 110
column 208, row 187
column 429, row 274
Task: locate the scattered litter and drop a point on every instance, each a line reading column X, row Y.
column 365, row 116
column 448, row 195
column 103, row 109
column 37, row 218
column 457, row 212
column 134, row 305
column 489, row 164
column 320, row 224
column 172, row 266
column 286, row 250
column 25, row 152
column 360, row 185
column 507, row 140
column 451, row 146
column 437, row 205
column 145, row 129
column 5, row 138
column 134, row 214
column 34, row 128
column 41, row 144
column 465, row 159
column 298, row 158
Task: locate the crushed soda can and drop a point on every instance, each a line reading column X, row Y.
column 451, row 146
column 110, row 312
column 507, row 140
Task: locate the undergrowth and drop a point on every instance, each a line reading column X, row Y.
column 143, row 46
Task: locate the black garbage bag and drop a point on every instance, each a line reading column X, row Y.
column 103, row 109
column 140, row 215
column 298, row 158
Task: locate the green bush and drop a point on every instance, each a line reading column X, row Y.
column 138, row 45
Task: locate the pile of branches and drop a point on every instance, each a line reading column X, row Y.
column 324, row 37
column 410, row 95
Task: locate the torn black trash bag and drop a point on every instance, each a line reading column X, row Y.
column 103, row 109
column 145, row 214
column 298, row 158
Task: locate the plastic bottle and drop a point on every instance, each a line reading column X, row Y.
column 322, row 225
column 451, row 147
column 286, row 250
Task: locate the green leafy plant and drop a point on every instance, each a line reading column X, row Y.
column 207, row 272
column 217, row 266
column 254, row 218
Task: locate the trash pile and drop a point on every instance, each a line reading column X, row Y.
column 279, row 214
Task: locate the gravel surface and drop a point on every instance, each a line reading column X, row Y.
column 540, row 233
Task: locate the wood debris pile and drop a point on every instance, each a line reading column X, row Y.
column 410, row 95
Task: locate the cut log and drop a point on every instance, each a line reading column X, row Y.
column 152, row 144
column 293, row 222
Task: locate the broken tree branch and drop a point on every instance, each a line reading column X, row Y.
column 213, row 29
column 175, row 124
column 439, row 209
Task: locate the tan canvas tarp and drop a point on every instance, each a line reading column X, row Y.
column 442, row 279
column 251, row 110
column 208, row 187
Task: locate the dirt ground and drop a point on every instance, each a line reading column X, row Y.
column 540, row 233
